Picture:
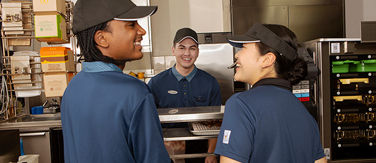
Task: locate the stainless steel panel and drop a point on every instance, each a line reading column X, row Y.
column 309, row 19
column 324, row 94
column 210, row 38
column 252, row 3
column 39, row 144
column 368, row 31
column 214, row 59
column 311, row 22
column 190, row 114
column 312, row 43
column 244, row 17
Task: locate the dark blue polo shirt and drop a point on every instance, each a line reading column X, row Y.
column 108, row 116
column 268, row 124
column 170, row 89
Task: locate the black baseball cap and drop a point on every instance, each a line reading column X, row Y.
column 259, row 33
column 184, row 33
column 88, row 13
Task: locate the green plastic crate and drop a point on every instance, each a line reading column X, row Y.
column 341, row 66
column 364, row 66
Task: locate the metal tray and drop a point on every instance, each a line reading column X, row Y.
column 197, row 128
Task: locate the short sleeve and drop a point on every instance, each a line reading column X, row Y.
column 150, row 83
column 235, row 139
column 152, row 89
column 145, row 134
column 318, row 150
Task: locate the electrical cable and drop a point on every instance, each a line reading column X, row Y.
column 4, row 94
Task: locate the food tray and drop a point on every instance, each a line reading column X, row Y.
column 197, row 128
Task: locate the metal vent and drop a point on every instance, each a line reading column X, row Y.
column 368, row 31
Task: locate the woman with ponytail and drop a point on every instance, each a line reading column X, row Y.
column 268, row 123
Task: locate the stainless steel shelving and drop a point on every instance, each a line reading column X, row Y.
column 188, row 114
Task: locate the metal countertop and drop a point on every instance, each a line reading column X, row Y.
column 166, row 115
column 32, row 122
column 190, row 114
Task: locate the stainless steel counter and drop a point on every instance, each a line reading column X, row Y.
column 190, row 114
column 27, row 123
column 166, row 115
column 178, row 134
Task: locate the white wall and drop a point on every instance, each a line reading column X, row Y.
column 357, row 11
column 209, row 16
column 203, row 16
column 369, row 10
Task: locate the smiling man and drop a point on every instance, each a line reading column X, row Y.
column 184, row 85
column 108, row 116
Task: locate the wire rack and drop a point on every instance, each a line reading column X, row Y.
column 9, row 103
column 198, row 128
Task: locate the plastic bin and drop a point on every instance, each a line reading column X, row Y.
column 342, row 66
column 37, row 110
column 370, row 65
column 364, row 66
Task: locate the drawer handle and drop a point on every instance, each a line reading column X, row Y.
column 33, row 134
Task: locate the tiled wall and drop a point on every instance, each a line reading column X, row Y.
column 148, row 63
column 144, row 63
column 162, row 63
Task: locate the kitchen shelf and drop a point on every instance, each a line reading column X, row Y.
column 188, row 114
column 179, row 134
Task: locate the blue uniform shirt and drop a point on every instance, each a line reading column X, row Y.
column 268, row 124
column 170, row 89
column 108, row 116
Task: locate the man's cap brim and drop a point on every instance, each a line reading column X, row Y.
column 137, row 12
column 238, row 41
column 188, row 37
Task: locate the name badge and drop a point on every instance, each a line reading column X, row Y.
column 173, row 92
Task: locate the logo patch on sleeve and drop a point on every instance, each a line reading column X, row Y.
column 226, row 136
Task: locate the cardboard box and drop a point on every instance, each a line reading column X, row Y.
column 11, row 14
column 19, row 42
column 27, row 24
column 57, row 59
column 51, row 6
column 55, row 83
column 50, row 28
column 20, row 67
column 13, row 30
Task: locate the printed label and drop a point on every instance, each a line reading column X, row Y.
column 335, row 48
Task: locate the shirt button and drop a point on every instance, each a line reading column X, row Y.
column 185, row 93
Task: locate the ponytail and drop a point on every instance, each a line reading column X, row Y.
column 293, row 71
column 297, row 72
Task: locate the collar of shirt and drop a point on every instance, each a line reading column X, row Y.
column 274, row 81
column 178, row 76
column 99, row 66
